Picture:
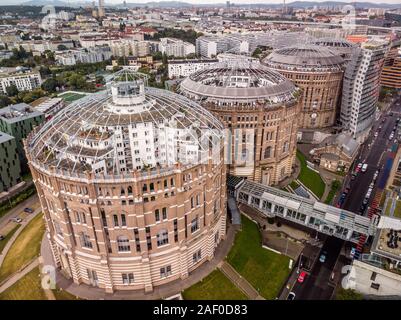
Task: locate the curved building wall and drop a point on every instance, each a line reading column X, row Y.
column 320, row 94
column 111, row 233
column 267, row 133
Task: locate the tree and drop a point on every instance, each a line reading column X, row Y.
column 44, row 71
column 62, row 47
column 256, row 53
column 348, row 294
column 77, row 81
column 100, row 80
column 50, row 85
column 30, row 96
column 12, row 90
column 4, row 101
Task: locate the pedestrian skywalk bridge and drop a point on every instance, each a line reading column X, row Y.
column 273, row 202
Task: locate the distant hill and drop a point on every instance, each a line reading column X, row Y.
column 179, row 4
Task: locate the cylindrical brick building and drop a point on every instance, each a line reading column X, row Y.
column 259, row 108
column 318, row 71
column 132, row 184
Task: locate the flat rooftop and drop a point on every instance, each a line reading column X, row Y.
column 387, row 243
column 4, row 137
column 18, row 112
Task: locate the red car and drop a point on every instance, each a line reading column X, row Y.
column 302, row 276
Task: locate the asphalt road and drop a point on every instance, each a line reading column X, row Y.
column 17, row 210
column 373, row 153
column 317, row 285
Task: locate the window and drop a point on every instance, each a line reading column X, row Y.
column 375, row 286
column 285, row 146
column 165, row 272
column 373, row 276
column 268, row 151
column 197, row 256
column 85, row 241
column 157, row 215
column 128, row 278
column 115, row 218
column 123, row 244
column 77, row 217
column 162, row 238
column 123, row 220
column 164, row 213
column 194, row 224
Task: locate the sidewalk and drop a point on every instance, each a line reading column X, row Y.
column 239, row 281
column 18, row 275
column 17, row 233
column 160, row 292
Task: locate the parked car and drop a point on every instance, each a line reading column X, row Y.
column 302, row 276
column 17, row 220
column 359, row 167
column 376, row 134
column 28, row 210
column 291, row 296
column 323, row 256
column 364, row 167
column 1, row 237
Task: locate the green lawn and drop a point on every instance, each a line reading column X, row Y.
column 388, row 207
column 216, row 286
column 294, row 185
column 7, row 237
column 70, row 96
column 27, row 288
column 25, row 248
column 397, row 210
column 335, row 186
column 310, row 178
column 265, row 270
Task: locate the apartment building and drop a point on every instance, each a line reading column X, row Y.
column 18, row 121
column 176, row 47
column 183, row 68
column 10, row 171
column 24, row 81
column 361, row 88
column 92, row 55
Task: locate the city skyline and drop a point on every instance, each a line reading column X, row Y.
column 207, row 2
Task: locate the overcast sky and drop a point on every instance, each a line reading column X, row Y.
column 5, row 2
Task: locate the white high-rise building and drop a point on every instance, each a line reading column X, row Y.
column 176, row 47
column 361, row 88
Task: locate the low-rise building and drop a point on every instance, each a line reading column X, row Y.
column 336, row 152
column 183, row 68
column 48, row 106
column 91, row 55
column 10, row 171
